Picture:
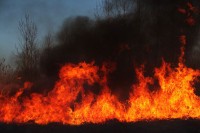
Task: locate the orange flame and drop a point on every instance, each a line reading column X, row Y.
column 175, row 97
column 70, row 103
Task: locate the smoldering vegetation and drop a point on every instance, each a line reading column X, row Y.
column 130, row 34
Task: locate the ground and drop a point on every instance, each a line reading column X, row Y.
column 160, row 126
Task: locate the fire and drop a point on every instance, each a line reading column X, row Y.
column 70, row 103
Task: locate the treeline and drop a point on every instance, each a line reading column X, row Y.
column 127, row 32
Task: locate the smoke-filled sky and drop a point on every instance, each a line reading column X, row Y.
column 48, row 15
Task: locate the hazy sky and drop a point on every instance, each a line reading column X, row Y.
column 48, row 15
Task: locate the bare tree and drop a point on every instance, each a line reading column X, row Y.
column 123, row 7
column 49, row 40
column 27, row 52
column 107, row 8
column 48, row 44
column 6, row 72
column 113, row 8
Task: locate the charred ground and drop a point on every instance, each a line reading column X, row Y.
column 159, row 126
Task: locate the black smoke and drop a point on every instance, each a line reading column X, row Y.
column 145, row 36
